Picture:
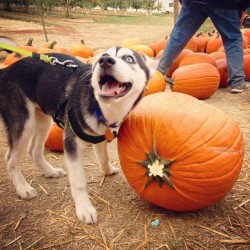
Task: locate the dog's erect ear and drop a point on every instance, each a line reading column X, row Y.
column 6, row 41
column 152, row 64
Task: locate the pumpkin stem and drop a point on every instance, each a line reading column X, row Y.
column 209, row 34
column 29, row 43
column 17, row 55
column 52, row 45
column 157, row 169
column 82, row 41
column 218, row 35
column 199, row 34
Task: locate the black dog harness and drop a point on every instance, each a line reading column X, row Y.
column 76, row 127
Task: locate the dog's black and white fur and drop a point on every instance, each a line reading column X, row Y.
column 95, row 97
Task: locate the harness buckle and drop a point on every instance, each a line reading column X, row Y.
column 67, row 63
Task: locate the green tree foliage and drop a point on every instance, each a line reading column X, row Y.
column 149, row 4
column 46, row 5
column 137, row 4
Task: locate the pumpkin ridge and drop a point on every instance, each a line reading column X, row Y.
column 184, row 143
column 212, row 137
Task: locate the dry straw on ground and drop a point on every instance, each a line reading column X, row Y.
column 49, row 221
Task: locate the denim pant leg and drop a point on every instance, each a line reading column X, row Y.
column 227, row 22
column 191, row 17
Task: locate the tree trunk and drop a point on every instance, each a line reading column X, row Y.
column 44, row 28
column 176, row 10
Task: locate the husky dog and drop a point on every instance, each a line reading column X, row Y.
column 87, row 101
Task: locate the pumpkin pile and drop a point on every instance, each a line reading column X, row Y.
column 180, row 153
column 204, row 48
column 199, row 70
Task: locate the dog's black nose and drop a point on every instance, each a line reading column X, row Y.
column 106, row 61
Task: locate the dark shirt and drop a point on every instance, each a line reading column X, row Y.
column 225, row 4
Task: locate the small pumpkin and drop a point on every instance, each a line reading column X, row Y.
column 192, row 44
column 159, row 54
column 221, row 49
column 144, row 49
column 202, row 41
column 129, row 42
column 152, row 45
column 48, row 48
column 247, row 66
column 157, row 83
column 161, row 44
column 176, row 63
column 81, row 50
column 28, row 46
column 200, row 80
column 12, row 58
column 180, row 153
column 245, row 42
column 198, row 57
column 221, row 65
column 54, row 141
column 213, row 44
column 3, row 66
column 218, row 55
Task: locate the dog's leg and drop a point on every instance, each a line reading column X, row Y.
column 78, row 183
column 13, row 157
column 101, row 153
column 36, row 147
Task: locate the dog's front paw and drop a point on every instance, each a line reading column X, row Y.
column 54, row 173
column 26, row 192
column 110, row 170
column 86, row 213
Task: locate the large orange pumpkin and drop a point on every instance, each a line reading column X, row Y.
column 54, row 141
column 157, row 83
column 200, row 80
column 199, row 148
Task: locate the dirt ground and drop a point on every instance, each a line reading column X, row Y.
column 49, row 221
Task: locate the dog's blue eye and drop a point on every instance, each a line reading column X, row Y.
column 129, row 59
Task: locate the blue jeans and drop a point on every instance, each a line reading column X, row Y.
column 226, row 21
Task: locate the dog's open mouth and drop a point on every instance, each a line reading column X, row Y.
column 110, row 87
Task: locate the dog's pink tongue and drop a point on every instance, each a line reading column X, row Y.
column 111, row 89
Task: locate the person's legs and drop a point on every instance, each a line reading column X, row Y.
column 227, row 22
column 189, row 21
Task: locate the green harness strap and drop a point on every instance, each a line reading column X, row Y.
column 42, row 57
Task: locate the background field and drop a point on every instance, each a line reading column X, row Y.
column 49, row 221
